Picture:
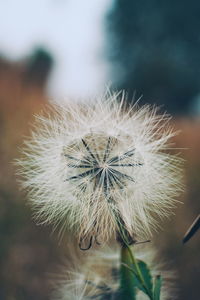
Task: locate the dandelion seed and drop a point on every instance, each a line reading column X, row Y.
column 99, row 277
column 94, row 167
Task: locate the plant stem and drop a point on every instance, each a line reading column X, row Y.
column 127, row 286
column 128, row 260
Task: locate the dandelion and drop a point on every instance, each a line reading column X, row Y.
column 99, row 277
column 98, row 167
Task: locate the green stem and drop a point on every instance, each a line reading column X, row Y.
column 127, row 287
column 138, row 272
column 126, row 251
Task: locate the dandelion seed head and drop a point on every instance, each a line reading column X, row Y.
column 92, row 166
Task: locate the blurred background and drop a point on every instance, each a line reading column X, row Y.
column 59, row 49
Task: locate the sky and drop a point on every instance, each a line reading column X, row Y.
column 72, row 30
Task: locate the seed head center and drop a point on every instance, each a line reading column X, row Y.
column 104, row 166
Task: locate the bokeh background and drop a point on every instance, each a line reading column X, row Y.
column 72, row 48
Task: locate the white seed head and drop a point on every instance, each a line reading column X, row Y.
column 96, row 165
column 99, row 277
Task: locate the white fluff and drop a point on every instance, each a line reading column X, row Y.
column 98, row 278
column 92, row 166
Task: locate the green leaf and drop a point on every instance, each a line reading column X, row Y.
column 136, row 281
column 147, row 278
column 157, row 288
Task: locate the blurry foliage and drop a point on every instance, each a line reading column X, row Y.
column 38, row 68
column 154, row 50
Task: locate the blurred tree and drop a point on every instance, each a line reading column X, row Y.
column 155, row 50
column 38, row 68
